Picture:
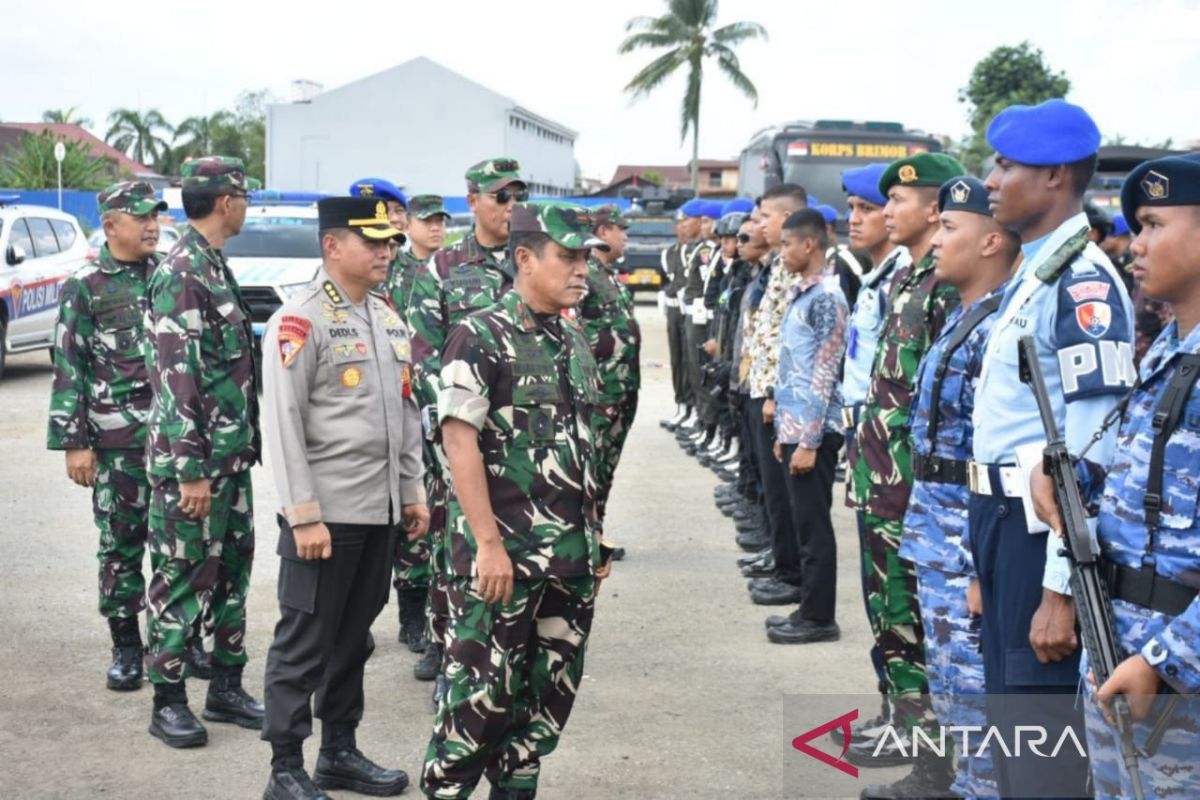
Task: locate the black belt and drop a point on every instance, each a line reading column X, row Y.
column 1146, row 588
column 939, row 470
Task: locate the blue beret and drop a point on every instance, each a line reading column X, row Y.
column 1120, row 226
column 738, row 205
column 1053, row 132
column 964, row 194
column 378, row 187
column 828, row 212
column 712, row 210
column 693, row 208
column 1170, row 181
column 813, row 202
column 863, row 182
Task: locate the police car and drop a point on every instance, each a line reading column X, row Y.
column 276, row 254
column 42, row 247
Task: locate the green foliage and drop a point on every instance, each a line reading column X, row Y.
column 1005, row 76
column 652, row 176
column 31, row 165
column 65, row 115
column 687, row 34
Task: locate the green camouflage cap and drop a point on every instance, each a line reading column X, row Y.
column 424, row 206
column 132, row 197
column 493, row 175
column 217, row 173
column 608, row 215
column 565, row 223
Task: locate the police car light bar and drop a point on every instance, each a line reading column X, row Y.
column 276, row 197
column 9, row 199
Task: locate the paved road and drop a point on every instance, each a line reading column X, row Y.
column 683, row 696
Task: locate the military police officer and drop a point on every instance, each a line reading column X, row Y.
column 202, row 441
column 1069, row 297
column 471, row 275
column 519, row 385
column 674, row 261
column 1148, row 529
column 344, row 436
column 99, row 402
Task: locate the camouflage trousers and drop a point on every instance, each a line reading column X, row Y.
column 120, row 503
column 412, row 566
column 199, row 564
column 437, row 607
column 1172, row 771
column 610, row 428
column 895, row 620
column 514, row 671
column 954, row 667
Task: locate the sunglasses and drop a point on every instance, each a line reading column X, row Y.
column 744, row 238
column 504, row 196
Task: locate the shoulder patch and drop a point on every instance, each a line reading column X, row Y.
column 1089, row 290
column 293, row 333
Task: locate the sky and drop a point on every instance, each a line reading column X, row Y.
column 1134, row 65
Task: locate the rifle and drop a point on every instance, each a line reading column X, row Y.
column 1088, row 589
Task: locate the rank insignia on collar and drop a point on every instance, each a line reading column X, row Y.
column 1156, row 185
column 332, row 293
column 907, row 174
column 960, row 192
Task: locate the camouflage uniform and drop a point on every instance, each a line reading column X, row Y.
column 460, row 280
column 101, row 396
column 203, row 424
column 528, row 383
column 934, row 527
column 880, row 475
column 606, row 315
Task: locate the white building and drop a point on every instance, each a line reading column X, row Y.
column 418, row 125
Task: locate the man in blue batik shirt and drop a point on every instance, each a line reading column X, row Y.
column 1151, row 553
column 1067, row 295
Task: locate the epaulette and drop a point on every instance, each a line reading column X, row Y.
column 1061, row 258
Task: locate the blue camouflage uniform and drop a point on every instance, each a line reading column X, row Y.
column 1068, row 296
column 1169, row 642
column 934, row 527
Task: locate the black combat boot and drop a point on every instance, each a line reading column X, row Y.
column 342, row 765
column 500, row 793
column 288, row 780
column 172, row 720
column 412, row 618
column 125, row 674
column 227, row 701
column 200, row 662
column 931, row 776
column 430, row 664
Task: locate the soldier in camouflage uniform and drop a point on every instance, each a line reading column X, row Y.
column 203, row 438
column 519, row 385
column 471, row 275
column 880, row 461
column 99, row 402
column 427, row 219
column 974, row 255
column 607, row 318
column 1151, row 553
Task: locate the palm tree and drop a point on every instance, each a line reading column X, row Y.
column 137, row 134
column 687, row 29
column 200, row 132
column 66, row 115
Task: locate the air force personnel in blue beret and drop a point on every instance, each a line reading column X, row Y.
column 1068, row 296
column 1152, row 550
column 397, row 203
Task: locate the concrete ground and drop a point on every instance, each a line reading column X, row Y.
column 684, row 697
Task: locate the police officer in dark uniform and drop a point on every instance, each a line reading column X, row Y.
column 675, row 259
column 337, row 371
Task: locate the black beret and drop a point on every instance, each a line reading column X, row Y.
column 1170, row 181
column 964, row 194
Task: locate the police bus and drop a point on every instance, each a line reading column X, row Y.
column 813, row 154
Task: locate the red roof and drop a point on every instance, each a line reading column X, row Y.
column 674, row 176
column 97, row 148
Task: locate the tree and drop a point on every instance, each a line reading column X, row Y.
column 686, row 30
column 139, row 136
column 198, row 133
column 652, row 176
column 65, row 115
column 1005, row 76
column 30, row 164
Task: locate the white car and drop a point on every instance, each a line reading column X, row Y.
column 276, row 255
column 41, row 248
column 168, row 235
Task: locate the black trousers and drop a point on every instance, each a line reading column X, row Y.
column 696, row 359
column 677, row 346
column 810, row 498
column 323, row 637
column 784, row 543
column 749, row 483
